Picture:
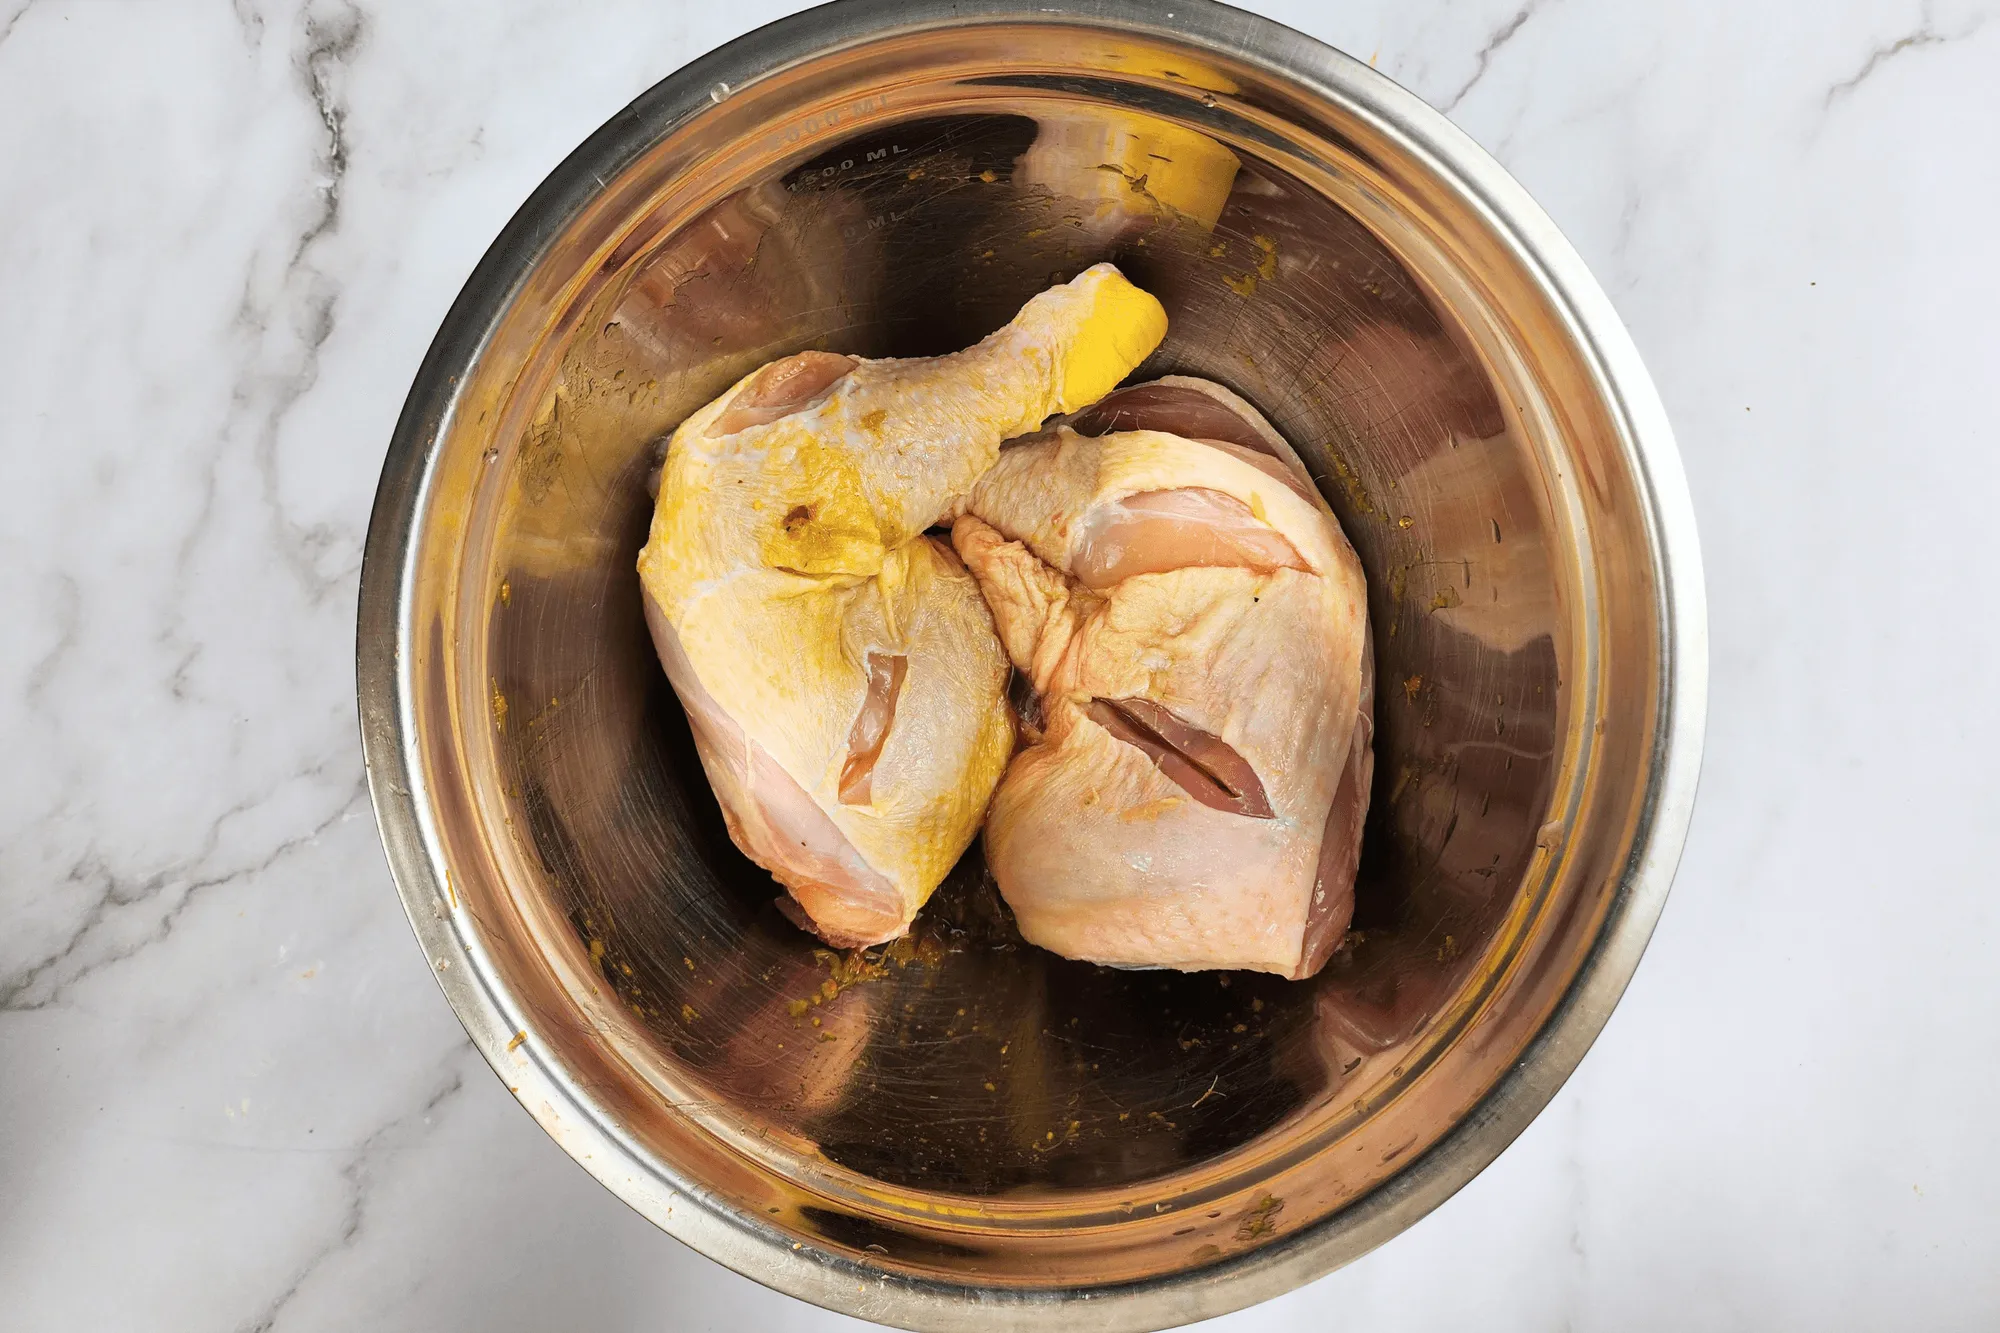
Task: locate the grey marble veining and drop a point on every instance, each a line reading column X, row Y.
column 233, row 1098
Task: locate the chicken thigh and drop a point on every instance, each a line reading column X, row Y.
column 838, row 667
column 1193, row 625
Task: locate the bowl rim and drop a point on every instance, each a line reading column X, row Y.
column 386, row 651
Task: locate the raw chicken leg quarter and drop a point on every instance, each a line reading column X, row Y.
column 1194, row 626
column 838, row 667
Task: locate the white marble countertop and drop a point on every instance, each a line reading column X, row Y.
column 233, row 1097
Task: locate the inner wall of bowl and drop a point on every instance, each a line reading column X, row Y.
column 862, row 1089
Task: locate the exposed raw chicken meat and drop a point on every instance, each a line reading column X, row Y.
column 839, row 668
column 1157, row 531
column 1193, row 624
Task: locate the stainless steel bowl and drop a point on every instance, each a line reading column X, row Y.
column 965, row 1131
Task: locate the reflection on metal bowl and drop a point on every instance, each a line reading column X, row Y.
column 960, row 1129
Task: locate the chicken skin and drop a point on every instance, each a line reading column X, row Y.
column 839, row 668
column 1193, row 626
